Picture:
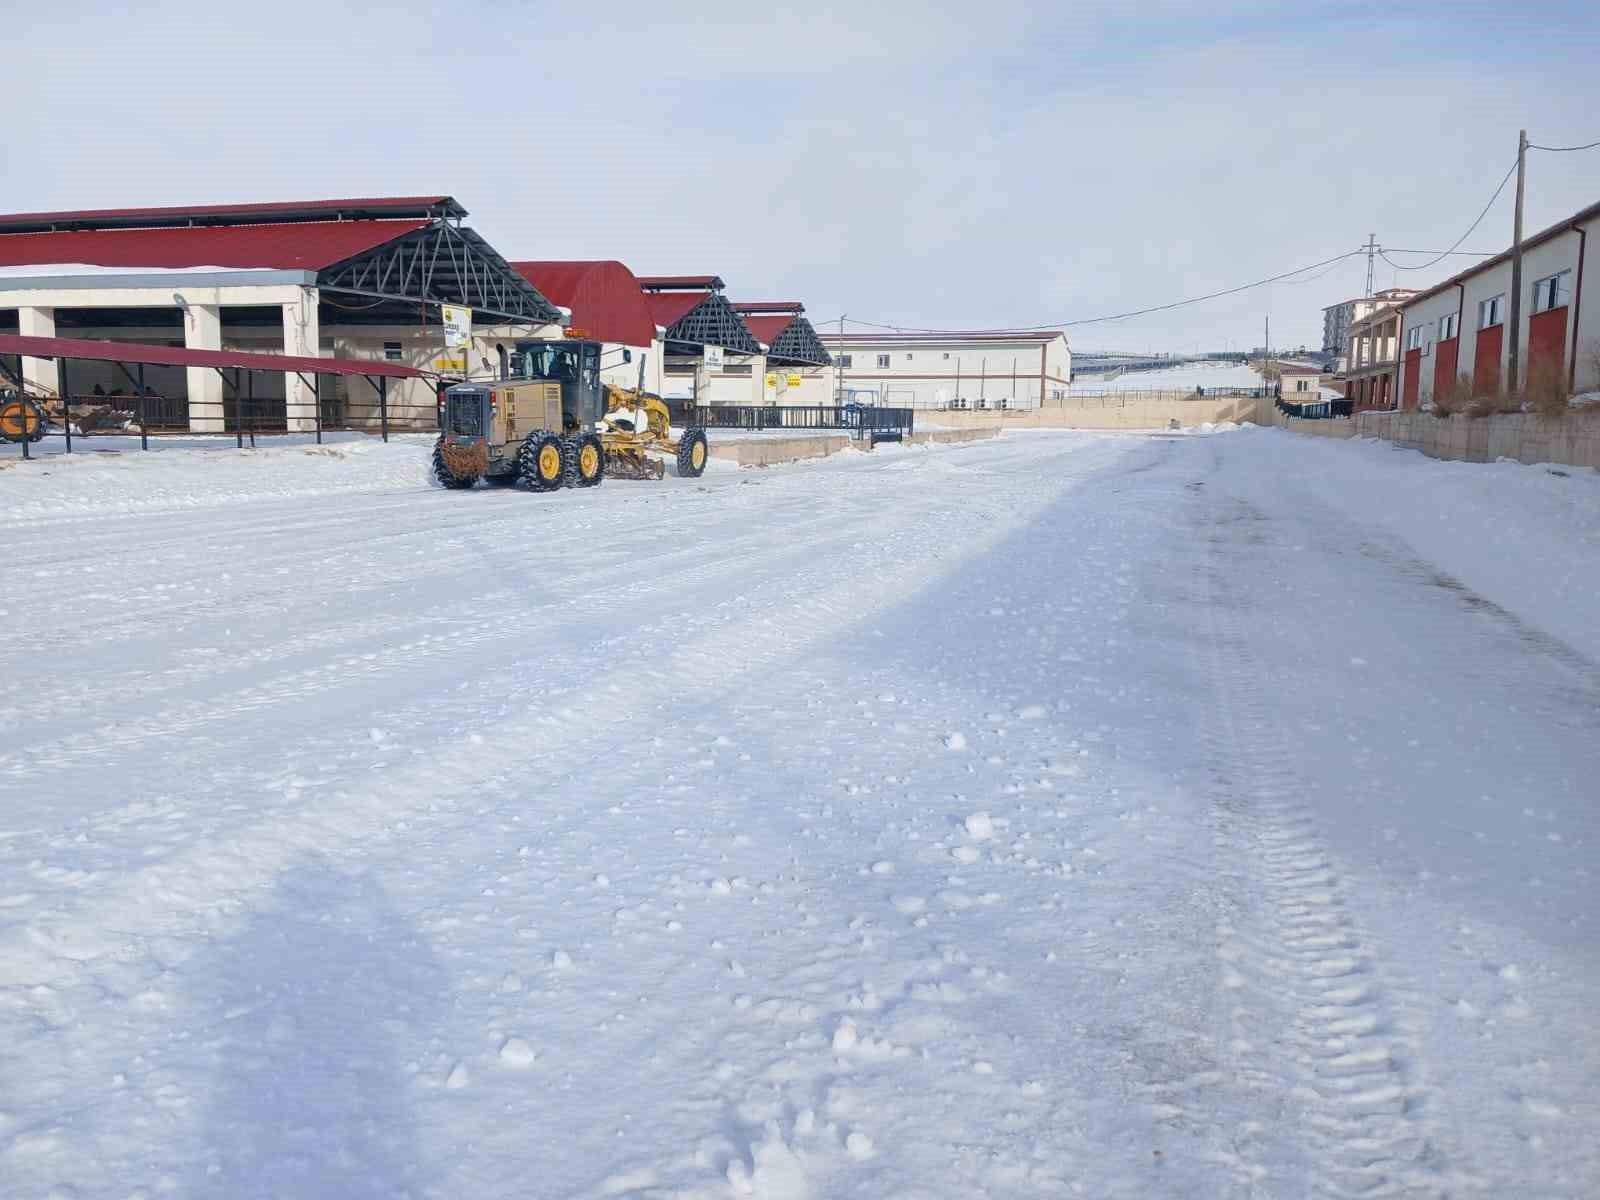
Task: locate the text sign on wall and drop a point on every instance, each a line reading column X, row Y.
column 714, row 357
column 457, row 325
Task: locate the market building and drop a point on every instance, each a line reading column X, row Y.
column 797, row 363
column 356, row 279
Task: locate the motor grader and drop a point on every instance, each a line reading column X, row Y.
column 551, row 422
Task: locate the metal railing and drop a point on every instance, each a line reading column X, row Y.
column 241, row 415
column 1113, row 399
column 860, row 420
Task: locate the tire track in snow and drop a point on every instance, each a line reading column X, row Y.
column 1309, row 985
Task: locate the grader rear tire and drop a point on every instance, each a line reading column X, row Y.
column 444, row 476
column 541, row 463
column 692, row 453
column 21, row 420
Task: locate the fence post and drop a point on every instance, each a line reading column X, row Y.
column 383, row 405
column 316, row 399
column 144, row 416
column 66, row 404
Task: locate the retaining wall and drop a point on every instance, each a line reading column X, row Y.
column 1573, row 440
column 1114, row 412
column 768, row 451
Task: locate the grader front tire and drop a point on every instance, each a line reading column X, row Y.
column 692, row 454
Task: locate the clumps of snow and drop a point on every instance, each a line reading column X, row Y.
column 845, row 1036
column 561, row 960
column 955, row 740
column 1032, row 712
column 979, row 826
column 517, row 1054
column 909, row 905
column 883, row 867
column 858, row 1144
column 458, row 1078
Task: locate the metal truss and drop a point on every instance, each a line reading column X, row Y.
column 713, row 322
column 799, row 343
column 442, row 263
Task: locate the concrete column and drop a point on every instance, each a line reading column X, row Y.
column 202, row 330
column 302, row 337
column 42, row 373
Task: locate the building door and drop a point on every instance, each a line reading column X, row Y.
column 1444, row 365
column 1486, row 361
column 1547, row 342
column 1409, row 393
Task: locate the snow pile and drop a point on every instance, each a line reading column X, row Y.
column 1183, row 378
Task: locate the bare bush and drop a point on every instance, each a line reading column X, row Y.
column 1546, row 390
column 1452, row 396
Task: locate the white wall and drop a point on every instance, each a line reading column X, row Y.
column 932, row 375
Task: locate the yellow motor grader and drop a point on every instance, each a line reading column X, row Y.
column 553, row 423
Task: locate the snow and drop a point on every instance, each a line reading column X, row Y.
column 1063, row 813
column 1183, row 378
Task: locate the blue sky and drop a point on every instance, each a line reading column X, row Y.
column 923, row 164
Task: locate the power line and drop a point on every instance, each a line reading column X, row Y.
column 1457, row 243
column 1564, row 149
column 1473, row 253
column 1138, row 312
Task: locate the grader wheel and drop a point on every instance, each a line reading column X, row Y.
column 586, row 464
column 541, row 463
column 21, row 420
column 692, row 454
column 445, row 475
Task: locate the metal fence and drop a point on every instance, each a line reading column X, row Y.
column 239, row 414
column 1316, row 410
column 859, row 420
column 1112, row 399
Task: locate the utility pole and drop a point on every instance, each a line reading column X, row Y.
column 1513, row 357
column 1372, row 249
column 1266, row 341
column 838, row 367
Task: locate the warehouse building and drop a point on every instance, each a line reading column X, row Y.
column 709, row 354
column 797, row 364
column 1460, row 327
column 361, row 279
column 989, row 369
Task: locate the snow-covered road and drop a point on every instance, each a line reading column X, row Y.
column 1064, row 814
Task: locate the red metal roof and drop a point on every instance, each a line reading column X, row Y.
column 768, row 329
column 235, row 214
column 179, row 356
column 667, row 308
column 603, row 295
column 308, row 246
column 659, row 283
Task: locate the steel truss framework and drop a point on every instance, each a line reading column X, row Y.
column 443, row 263
column 799, row 343
column 713, row 322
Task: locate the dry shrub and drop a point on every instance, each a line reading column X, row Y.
column 1453, row 396
column 1546, row 390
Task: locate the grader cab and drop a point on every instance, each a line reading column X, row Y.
column 553, row 423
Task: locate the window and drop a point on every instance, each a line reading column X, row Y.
column 1414, row 338
column 1302, row 385
column 908, row 357
column 883, row 361
column 844, row 362
column 1553, row 292
column 1447, row 326
column 1492, row 312
column 947, row 354
column 743, row 369
column 391, row 351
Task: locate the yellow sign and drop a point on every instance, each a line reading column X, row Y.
column 443, row 363
column 772, row 379
column 794, row 381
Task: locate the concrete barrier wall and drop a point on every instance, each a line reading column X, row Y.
column 769, row 451
column 1573, row 440
column 1113, row 412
